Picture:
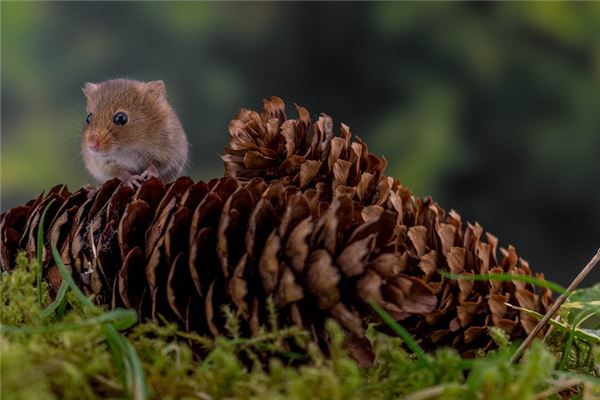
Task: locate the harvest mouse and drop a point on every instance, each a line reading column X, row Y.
column 132, row 132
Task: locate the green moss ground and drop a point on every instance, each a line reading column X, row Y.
column 75, row 351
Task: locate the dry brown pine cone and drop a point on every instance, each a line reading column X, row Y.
column 186, row 249
column 307, row 153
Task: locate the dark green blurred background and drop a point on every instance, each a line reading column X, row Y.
column 493, row 109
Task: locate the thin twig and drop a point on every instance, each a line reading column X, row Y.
column 108, row 382
column 431, row 392
column 560, row 386
column 580, row 277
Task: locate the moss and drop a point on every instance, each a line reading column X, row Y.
column 77, row 363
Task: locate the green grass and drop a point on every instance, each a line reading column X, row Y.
column 80, row 353
column 555, row 287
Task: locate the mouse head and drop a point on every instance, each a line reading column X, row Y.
column 122, row 112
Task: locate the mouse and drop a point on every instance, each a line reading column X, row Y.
column 131, row 132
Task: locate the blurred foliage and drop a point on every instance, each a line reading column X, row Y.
column 489, row 107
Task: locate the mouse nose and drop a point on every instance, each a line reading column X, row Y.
column 94, row 144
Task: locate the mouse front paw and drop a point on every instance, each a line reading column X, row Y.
column 149, row 173
column 133, row 181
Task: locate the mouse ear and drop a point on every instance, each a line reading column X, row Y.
column 90, row 88
column 155, row 89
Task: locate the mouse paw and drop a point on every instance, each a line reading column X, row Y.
column 133, row 181
column 149, row 173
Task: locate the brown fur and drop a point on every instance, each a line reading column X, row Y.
column 152, row 138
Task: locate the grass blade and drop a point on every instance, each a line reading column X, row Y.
column 557, row 304
column 62, row 309
column 121, row 318
column 566, row 351
column 402, row 333
column 60, row 297
column 131, row 367
column 66, row 276
column 555, row 287
column 118, row 361
column 560, row 326
column 126, row 360
column 40, row 254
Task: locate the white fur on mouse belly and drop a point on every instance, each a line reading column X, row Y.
column 118, row 162
column 135, row 162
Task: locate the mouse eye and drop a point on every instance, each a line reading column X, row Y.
column 88, row 119
column 120, row 118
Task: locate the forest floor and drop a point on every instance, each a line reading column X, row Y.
column 68, row 348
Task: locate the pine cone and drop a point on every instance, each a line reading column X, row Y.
column 320, row 244
column 307, row 153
